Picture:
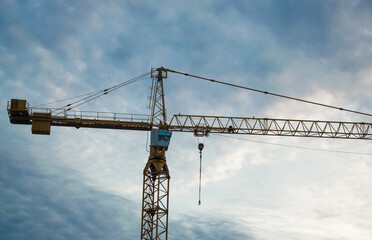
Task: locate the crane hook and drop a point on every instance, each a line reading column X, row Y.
column 200, row 147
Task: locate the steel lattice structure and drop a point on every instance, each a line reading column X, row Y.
column 203, row 125
column 157, row 103
column 155, row 199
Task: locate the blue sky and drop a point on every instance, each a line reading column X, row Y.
column 87, row 183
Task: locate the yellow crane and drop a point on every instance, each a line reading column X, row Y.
column 155, row 199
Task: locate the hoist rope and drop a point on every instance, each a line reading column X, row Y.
column 200, row 179
column 98, row 94
column 200, row 147
column 269, row 93
column 293, row 146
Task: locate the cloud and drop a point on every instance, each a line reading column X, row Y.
column 314, row 197
column 85, row 183
column 202, row 227
column 41, row 203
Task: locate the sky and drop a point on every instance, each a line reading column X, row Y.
column 87, row 183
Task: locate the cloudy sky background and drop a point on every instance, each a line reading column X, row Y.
column 87, row 183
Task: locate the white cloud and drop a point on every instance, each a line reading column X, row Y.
column 270, row 192
column 327, row 201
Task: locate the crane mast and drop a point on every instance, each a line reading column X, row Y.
column 155, row 193
column 156, row 177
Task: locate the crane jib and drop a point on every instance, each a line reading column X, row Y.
column 204, row 125
column 199, row 125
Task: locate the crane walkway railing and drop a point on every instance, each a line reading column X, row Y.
column 92, row 115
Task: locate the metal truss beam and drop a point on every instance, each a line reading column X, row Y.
column 155, row 200
column 204, row 125
column 158, row 113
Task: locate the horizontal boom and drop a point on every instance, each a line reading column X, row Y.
column 204, row 125
column 42, row 120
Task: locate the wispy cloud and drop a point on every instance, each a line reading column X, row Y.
column 86, row 183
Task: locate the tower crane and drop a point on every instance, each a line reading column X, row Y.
column 155, row 198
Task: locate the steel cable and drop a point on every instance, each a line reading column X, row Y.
column 293, row 146
column 269, row 93
column 100, row 93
